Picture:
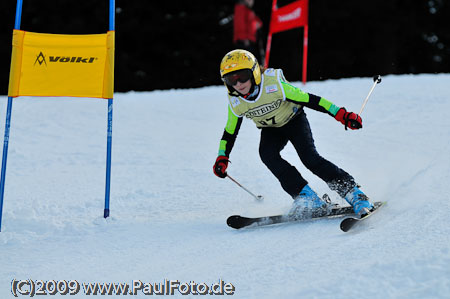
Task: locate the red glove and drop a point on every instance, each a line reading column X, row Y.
column 220, row 167
column 349, row 119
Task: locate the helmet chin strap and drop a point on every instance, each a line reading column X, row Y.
column 252, row 93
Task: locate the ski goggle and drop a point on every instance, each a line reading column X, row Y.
column 242, row 76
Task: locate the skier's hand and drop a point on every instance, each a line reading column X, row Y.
column 349, row 119
column 220, row 167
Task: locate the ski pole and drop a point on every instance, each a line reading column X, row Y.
column 258, row 198
column 376, row 79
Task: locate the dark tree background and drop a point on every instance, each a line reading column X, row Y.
column 179, row 43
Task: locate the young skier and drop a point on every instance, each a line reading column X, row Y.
column 276, row 107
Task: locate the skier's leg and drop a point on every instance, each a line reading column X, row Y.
column 336, row 178
column 301, row 137
column 272, row 142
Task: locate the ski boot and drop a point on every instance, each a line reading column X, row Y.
column 359, row 201
column 308, row 204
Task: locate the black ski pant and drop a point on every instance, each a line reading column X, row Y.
column 298, row 132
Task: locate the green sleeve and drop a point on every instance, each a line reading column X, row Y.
column 296, row 95
column 229, row 134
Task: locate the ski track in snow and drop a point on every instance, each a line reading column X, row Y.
column 168, row 210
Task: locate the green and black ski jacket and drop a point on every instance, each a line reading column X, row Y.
column 276, row 103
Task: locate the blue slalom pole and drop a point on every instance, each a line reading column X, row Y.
column 112, row 13
column 8, row 123
column 18, row 14
column 5, row 156
column 108, row 158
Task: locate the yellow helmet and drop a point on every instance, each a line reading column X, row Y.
column 240, row 60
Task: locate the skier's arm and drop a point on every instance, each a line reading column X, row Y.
column 296, row 95
column 348, row 119
column 229, row 134
column 226, row 144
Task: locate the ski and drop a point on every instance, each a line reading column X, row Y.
column 350, row 222
column 237, row 221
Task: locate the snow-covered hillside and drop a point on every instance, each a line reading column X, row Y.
column 168, row 210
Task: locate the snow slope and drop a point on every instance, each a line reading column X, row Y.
column 168, row 210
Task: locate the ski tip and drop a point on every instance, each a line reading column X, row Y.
column 348, row 223
column 232, row 221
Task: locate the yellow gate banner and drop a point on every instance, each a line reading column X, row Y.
column 62, row 65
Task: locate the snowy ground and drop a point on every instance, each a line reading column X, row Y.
column 168, row 210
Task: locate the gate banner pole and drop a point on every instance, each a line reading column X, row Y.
column 112, row 12
column 5, row 156
column 8, row 123
column 305, row 53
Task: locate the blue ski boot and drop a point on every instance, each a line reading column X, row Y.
column 308, row 204
column 359, row 201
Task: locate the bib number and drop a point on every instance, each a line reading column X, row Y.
column 268, row 121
